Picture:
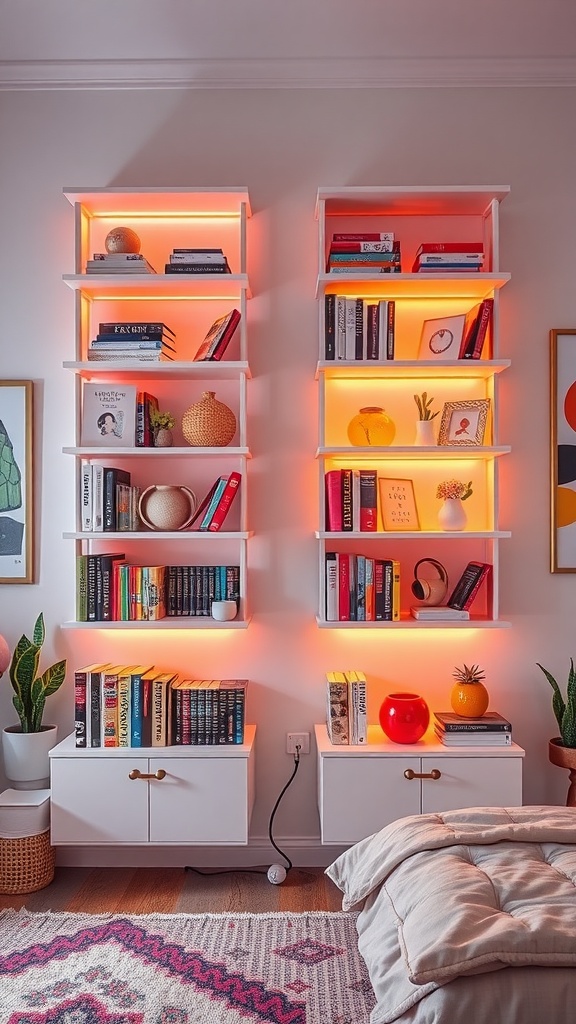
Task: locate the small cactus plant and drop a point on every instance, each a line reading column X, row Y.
column 564, row 709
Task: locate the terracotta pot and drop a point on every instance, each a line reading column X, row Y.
column 564, row 757
column 163, row 438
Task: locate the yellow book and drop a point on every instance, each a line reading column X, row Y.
column 395, row 590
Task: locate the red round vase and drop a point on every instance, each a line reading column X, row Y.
column 404, row 717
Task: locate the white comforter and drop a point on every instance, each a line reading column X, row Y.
column 448, row 895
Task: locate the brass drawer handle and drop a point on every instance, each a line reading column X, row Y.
column 434, row 774
column 137, row 774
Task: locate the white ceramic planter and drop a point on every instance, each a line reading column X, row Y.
column 424, row 433
column 26, row 761
column 452, row 514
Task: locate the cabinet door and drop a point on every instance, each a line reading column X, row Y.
column 94, row 801
column 472, row 782
column 200, row 800
column 359, row 795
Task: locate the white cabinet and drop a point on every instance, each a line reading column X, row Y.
column 415, row 215
column 362, row 789
column 153, row 796
column 189, row 304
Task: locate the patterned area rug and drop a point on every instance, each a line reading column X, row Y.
column 182, row 969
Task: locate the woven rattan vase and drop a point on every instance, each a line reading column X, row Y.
column 209, row 423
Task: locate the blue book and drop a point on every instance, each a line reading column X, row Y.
column 136, row 704
column 213, row 503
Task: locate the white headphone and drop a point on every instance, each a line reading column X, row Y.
column 430, row 591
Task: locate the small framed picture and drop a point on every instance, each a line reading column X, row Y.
column 441, row 337
column 464, row 423
column 398, row 504
column 16, row 476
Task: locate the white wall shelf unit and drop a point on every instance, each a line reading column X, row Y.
column 415, row 215
column 165, row 219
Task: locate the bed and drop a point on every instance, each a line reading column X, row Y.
column 467, row 916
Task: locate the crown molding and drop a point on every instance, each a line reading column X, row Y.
column 296, row 73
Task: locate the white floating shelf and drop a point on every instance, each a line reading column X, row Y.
column 175, row 370
column 480, row 369
column 192, row 622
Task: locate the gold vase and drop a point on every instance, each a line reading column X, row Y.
column 371, row 427
column 209, row 423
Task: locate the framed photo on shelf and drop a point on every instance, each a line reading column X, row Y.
column 464, row 423
column 398, row 504
column 563, row 450
column 16, row 506
column 441, row 337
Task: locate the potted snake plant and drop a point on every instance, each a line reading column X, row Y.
column 562, row 748
column 25, row 746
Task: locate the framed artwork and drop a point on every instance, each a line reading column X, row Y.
column 563, row 450
column 398, row 504
column 464, row 423
column 16, row 506
column 441, row 337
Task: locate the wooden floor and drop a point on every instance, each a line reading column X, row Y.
column 175, row 891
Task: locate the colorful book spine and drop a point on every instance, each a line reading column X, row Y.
column 223, row 507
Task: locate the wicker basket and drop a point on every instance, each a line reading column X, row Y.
column 209, row 423
column 26, row 864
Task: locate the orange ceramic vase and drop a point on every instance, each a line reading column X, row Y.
column 469, row 699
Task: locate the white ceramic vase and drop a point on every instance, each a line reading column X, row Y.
column 26, row 761
column 424, row 434
column 452, row 514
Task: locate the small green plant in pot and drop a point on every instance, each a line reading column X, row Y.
column 30, row 689
column 25, row 747
column 562, row 749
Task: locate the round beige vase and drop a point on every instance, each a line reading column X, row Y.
column 26, row 760
column 167, row 507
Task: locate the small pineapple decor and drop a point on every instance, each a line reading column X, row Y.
column 469, row 696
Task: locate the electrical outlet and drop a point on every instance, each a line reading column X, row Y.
column 298, row 739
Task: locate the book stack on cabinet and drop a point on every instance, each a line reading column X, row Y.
column 135, row 357
column 443, row 288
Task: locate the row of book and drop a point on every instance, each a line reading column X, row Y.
column 197, row 261
column 109, row 501
column 117, row 415
column 448, row 257
column 377, row 253
column 360, row 588
column 346, row 714
column 357, row 329
column 490, row 730
column 119, row 263
column 351, row 500
column 141, row 706
column 133, row 342
column 110, row 589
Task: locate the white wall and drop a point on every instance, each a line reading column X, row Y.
column 282, row 145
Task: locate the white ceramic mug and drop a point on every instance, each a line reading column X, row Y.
column 223, row 611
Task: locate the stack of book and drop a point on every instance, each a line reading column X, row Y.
column 358, row 329
column 367, row 253
column 491, row 730
column 197, row 261
column 351, row 500
column 119, row 263
column 141, row 706
column 24, row 813
column 346, row 716
column 133, row 342
column 448, row 257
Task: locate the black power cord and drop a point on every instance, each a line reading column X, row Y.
column 276, row 873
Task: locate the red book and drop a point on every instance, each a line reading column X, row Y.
column 450, row 247
column 225, row 502
column 218, row 337
column 469, row 584
column 473, row 349
column 343, row 562
column 333, row 491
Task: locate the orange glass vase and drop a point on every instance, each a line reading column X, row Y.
column 371, row 427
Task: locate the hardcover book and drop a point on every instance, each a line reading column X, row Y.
column 109, row 415
column 337, row 716
column 468, row 585
column 491, row 721
column 218, row 337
